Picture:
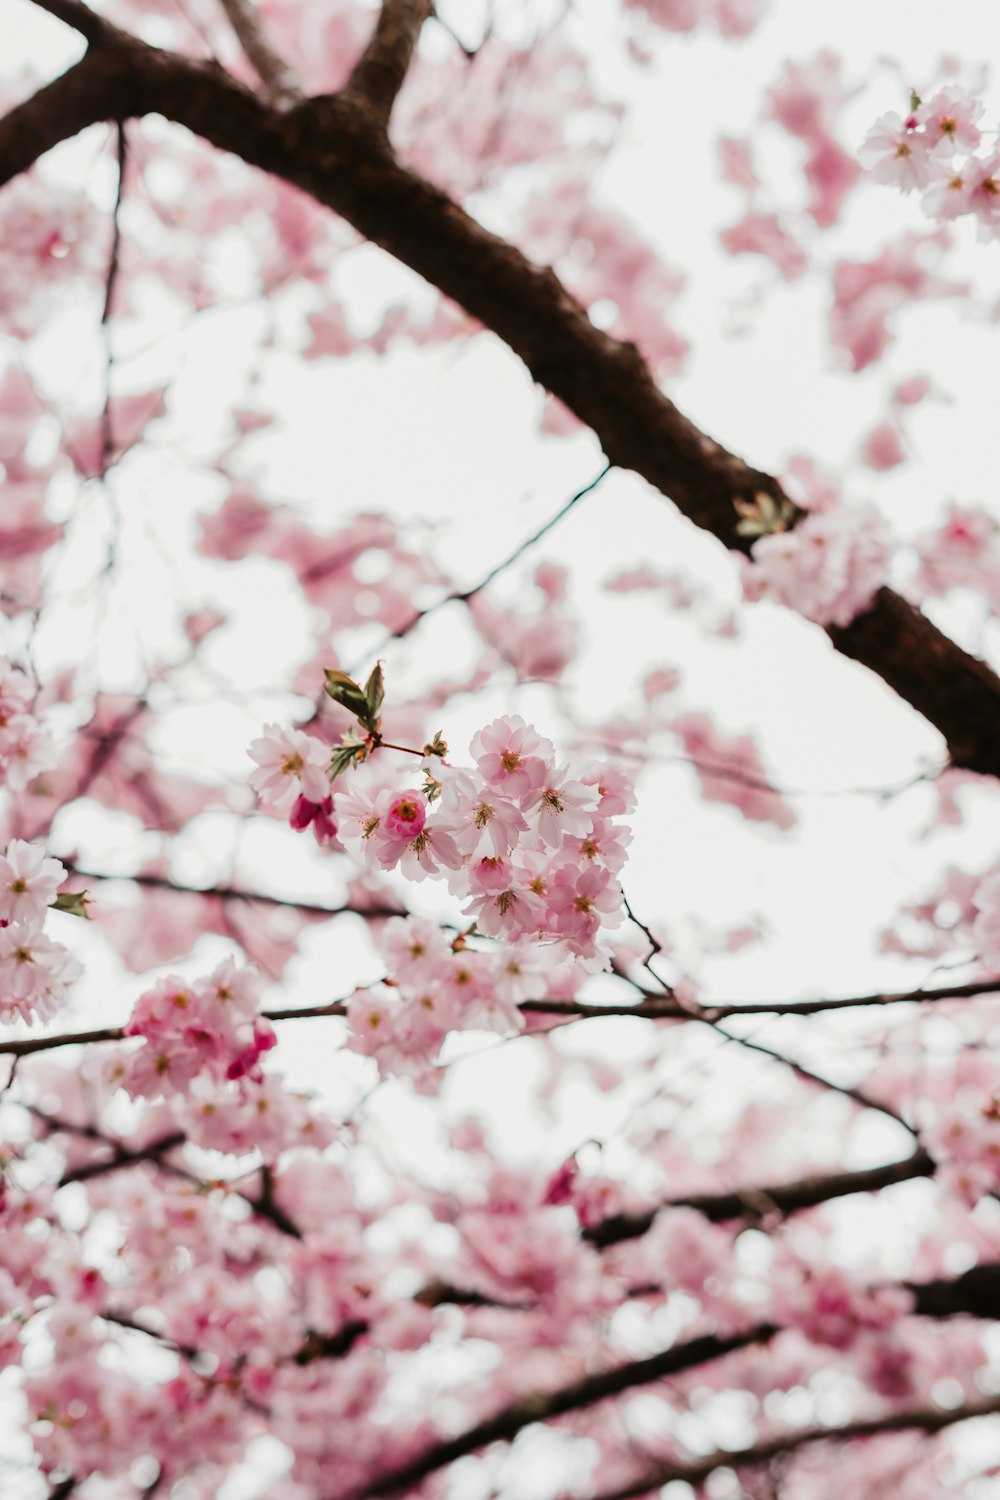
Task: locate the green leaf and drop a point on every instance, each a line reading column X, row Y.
column 73, row 902
column 374, row 695
column 345, row 691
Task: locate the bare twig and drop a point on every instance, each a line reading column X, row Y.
column 756, row 1203
column 111, row 280
column 926, row 1419
column 234, row 893
column 281, row 86
column 25, row 1047
column 809, row 1075
column 462, row 596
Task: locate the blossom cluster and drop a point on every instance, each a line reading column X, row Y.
column 24, row 744
column 438, row 986
column 935, row 149
column 963, row 552
column 202, row 1048
column 965, row 1141
column 213, row 1026
column 35, row 972
column 829, row 567
column 830, row 1307
column 532, row 846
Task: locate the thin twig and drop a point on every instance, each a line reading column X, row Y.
column 111, row 280
column 281, row 86
column 928, row 1420
column 462, row 596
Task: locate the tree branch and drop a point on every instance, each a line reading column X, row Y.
column 82, row 19
column 974, row 1293
column 652, row 1007
column 381, row 69
column 333, row 148
column 506, row 1424
column 25, row 1047
column 808, row 1075
column 927, row 1419
column 123, row 1157
column 755, row 1204
column 234, row 893
column 80, row 97
column 281, row 86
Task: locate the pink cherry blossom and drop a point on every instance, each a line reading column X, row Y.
column 882, row 449
column 290, row 764
column 29, row 880
column 895, row 153
column 581, row 901
column 35, row 974
column 315, row 815
column 982, row 180
column 511, row 757
column 950, row 117
column 828, row 568
column 476, row 820
column 405, row 816
column 561, row 806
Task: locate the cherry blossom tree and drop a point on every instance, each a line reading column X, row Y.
column 386, row 1108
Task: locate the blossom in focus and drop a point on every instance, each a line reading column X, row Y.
column 35, row 974
column 289, row 764
column 950, row 118
column 898, row 155
column 405, row 816
column 29, row 880
column 511, row 757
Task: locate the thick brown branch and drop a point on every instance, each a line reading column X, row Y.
column 650, row 1009
column 81, row 18
column 757, row 1203
column 80, row 97
column 878, row 999
column 927, row 1419
column 381, row 69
